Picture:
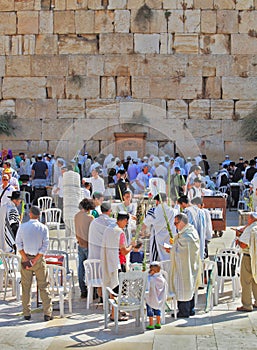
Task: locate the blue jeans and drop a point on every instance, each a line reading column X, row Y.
column 151, row 312
column 82, row 255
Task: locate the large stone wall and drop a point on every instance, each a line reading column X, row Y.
column 65, row 63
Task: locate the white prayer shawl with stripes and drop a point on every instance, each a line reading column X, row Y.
column 185, row 273
column 7, row 240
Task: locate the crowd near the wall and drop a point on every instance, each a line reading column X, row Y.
column 111, row 223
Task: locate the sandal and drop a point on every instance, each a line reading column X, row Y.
column 120, row 319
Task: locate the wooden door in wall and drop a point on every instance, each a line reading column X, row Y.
column 132, row 144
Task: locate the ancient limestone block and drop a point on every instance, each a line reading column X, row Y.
column 51, row 125
column 15, row 146
column 17, row 66
column 64, row 22
column 175, row 23
column 215, row 44
column 104, row 21
column 21, row 5
column 208, row 22
column 104, row 108
column 135, row 4
column 95, row 65
column 85, row 87
column 55, row 87
column 14, row 45
column 84, row 21
column 194, row 66
column 27, row 22
column 243, row 43
column 122, row 21
column 241, row 65
column 224, row 4
column 116, row 43
column 108, row 87
column 49, row 65
column 243, row 108
column 244, row 4
column 248, row 21
column 173, row 66
column 95, row 4
column 223, row 65
column 147, row 43
column 24, row 88
column 37, row 5
column 71, row 108
column 239, row 88
column 170, row 4
column 166, row 43
column 46, row 44
column 7, row 23
column 213, row 87
column 7, row 106
column 209, row 70
column 82, row 44
column 192, row 21
column 203, row 4
column 117, row 4
column 59, row 5
column 46, row 25
column 140, row 87
column 2, row 65
column 154, row 4
column 46, row 108
column 113, row 66
column 77, row 65
column 199, row 109
column 139, row 24
column 186, row 43
column 227, row 22
column 29, row 43
column 158, row 23
column 123, row 86
column 177, row 109
column 76, row 4
column 222, row 109
column 157, row 102
column 7, row 5
column 185, row 4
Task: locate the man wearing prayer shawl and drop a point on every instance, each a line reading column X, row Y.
column 185, row 273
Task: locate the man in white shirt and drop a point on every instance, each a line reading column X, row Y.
column 96, row 181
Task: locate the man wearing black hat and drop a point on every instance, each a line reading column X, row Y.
column 32, row 243
column 121, row 185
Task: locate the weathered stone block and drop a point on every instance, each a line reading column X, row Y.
column 116, row 43
column 17, row 66
column 215, row 44
column 29, row 43
column 241, row 65
column 227, row 21
column 147, row 43
column 55, row 87
column 95, row 4
column 248, row 21
column 123, row 86
column 24, row 88
column 139, row 24
column 7, row 106
column 27, row 22
column 82, row 44
column 21, row 5
column 59, row 5
column 243, row 108
column 49, row 65
column 243, row 43
column 166, row 43
column 244, row 4
column 102, row 109
column 173, row 66
column 46, row 44
column 156, row 102
column 2, row 65
column 71, row 109
column 177, row 109
column 154, row 4
column 203, row 4
column 170, row 4
column 85, row 87
column 192, row 21
column 185, row 4
column 104, row 21
column 76, row 4
column 135, row 4
column 175, row 23
column 224, row 4
column 84, row 21
column 36, row 108
column 239, row 88
column 208, row 21
column 186, row 43
column 113, row 66
column 46, row 25
column 62, row 125
column 140, row 87
column 117, row 4
column 200, row 109
column 77, row 65
column 64, row 22
column 223, row 65
column 6, row 5
column 122, row 21
column 108, row 87
column 213, row 87
column 7, row 23
column 95, row 65
column 13, row 45
column 14, row 145
column 222, row 109
column 158, row 23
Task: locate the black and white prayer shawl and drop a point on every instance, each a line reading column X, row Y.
column 154, row 251
column 7, row 239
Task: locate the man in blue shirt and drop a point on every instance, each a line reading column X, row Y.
column 32, row 242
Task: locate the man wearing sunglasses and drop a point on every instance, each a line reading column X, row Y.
column 6, row 190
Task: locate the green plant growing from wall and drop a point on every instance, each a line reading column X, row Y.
column 6, row 123
column 249, row 126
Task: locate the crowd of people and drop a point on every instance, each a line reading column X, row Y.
column 179, row 226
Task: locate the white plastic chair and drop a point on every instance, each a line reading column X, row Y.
column 66, row 264
column 59, row 286
column 210, row 277
column 93, row 277
column 132, row 285
column 53, row 217
column 157, row 185
column 44, row 203
column 11, row 264
column 227, row 269
column 170, row 297
column 136, row 267
column 26, row 198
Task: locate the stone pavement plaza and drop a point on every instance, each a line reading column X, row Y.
column 222, row 328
